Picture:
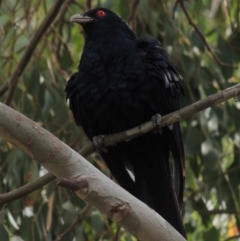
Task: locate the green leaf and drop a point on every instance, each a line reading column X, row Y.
column 66, row 61
column 212, row 234
column 190, row 179
column 97, row 225
column 3, row 233
column 193, row 141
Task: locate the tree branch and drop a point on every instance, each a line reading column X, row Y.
column 235, row 237
column 216, row 211
column 88, row 4
column 36, row 184
column 177, row 116
column 26, row 189
column 132, row 16
column 115, row 202
column 181, row 3
column 169, row 119
column 80, row 217
column 11, row 83
column 64, row 162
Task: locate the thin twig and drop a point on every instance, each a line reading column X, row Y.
column 4, row 88
column 181, row 3
column 117, row 234
column 235, row 237
column 132, row 16
column 13, row 80
column 174, row 9
column 26, row 189
column 80, row 217
column 229, row 15
column 235, row 199
column 88, row 4
column 77, row 139
column 238, row 15
column 217, row 211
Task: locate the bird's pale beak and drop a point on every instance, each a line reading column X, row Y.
column 78, row 18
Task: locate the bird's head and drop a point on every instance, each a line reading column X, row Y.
column 101, row 21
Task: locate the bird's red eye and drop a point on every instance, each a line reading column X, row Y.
column 101, row 13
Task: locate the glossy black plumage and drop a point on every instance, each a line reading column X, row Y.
column 122, row 81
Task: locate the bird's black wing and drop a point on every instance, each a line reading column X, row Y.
column 75, row 104
column 114, row 158
column 168, row 90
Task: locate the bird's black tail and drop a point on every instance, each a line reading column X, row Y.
column 179, row 162
column 154, row 185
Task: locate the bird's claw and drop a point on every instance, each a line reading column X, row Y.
column 156, row 120
column 98, row 144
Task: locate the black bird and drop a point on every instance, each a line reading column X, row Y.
column 122, row 81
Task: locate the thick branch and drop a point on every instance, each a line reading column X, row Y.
column 36, row 184
column 12, row 82
column 59, row 159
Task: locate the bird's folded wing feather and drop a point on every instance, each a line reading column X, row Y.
column 168, row 91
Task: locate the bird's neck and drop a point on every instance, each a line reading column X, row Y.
column 107, row 35
column 109, row 45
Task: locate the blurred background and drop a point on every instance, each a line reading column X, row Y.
column 211, row 138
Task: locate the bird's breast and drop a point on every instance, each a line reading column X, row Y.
column 115, row 94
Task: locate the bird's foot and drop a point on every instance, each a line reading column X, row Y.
column 156, row 120
column 170, row 127
column 98, row 144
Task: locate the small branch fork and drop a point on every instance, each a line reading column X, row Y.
column 79, row 185
column 117, row 210
column 181, row 3
column 212, row 100
column 25, row 190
